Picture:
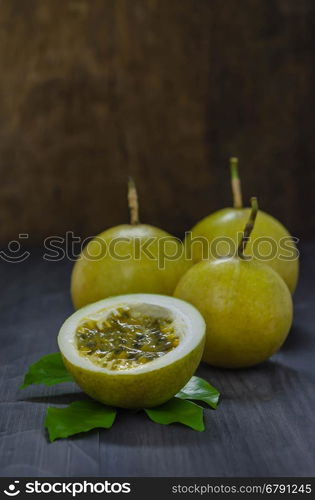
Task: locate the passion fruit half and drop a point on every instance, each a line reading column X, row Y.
column 133, row 351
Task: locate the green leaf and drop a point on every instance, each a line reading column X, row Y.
column 49, row 370
column 199, row 389
column 178, row 410
column 81, row 416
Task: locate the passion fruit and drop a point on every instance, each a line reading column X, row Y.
column 270, row 240
column 133, row 351
column 246, row 304
column 130, row 258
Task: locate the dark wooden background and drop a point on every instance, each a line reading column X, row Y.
column 163, row 89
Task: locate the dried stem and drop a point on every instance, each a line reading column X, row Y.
column 236, row 184
column 133, row 202
column 248, row 228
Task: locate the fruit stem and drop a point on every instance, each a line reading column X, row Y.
column 248, row 228
column 236, row 183
column 133, row 202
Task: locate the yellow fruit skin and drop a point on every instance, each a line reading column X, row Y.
column 95, row 279
column 247, row 308
column 144, row 390
column 229, row 222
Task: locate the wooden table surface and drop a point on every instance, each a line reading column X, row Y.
column 264, row 425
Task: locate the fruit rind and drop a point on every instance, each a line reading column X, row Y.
column 117, row 262
column 230, row 222
column 247, row 308
column 148, row 390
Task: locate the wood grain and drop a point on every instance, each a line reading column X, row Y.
column 264, row 425
column 165, row 90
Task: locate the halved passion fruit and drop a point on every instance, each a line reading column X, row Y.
column 134, row 350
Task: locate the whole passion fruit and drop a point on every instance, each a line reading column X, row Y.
column 246, row 305
column 130, row 258
column 270, row 241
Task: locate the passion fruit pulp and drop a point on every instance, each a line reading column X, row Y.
column 126, row 338
column 134, row 350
